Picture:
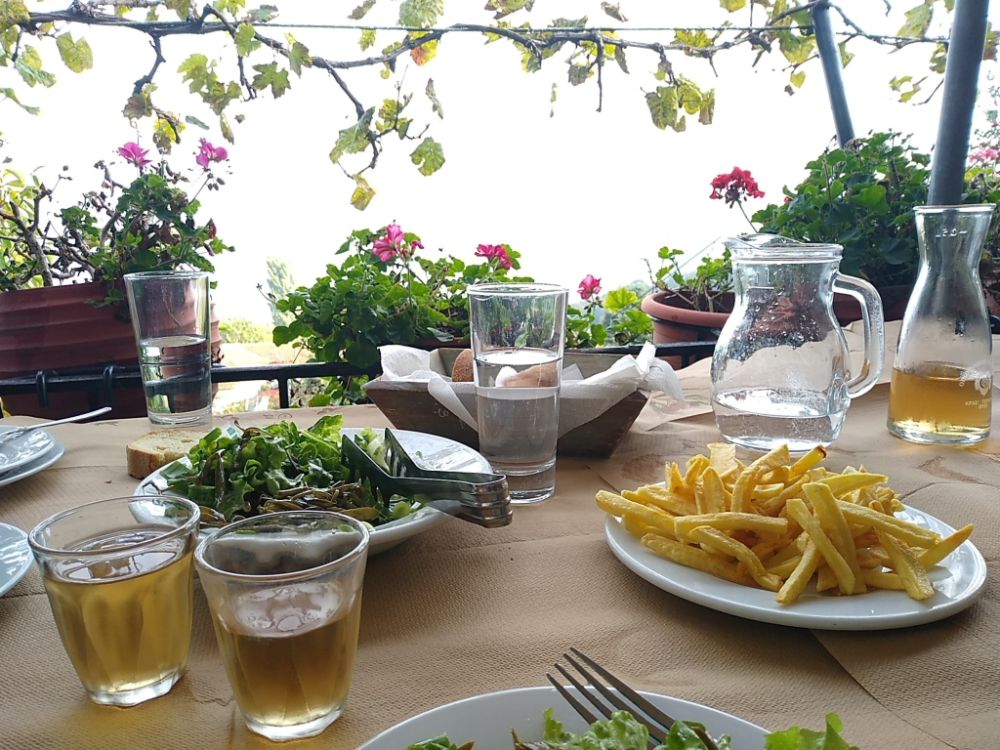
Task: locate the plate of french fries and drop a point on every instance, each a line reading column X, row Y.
column 791, row 542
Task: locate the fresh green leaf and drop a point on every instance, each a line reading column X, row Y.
column 420, row 13
column 428, row 156
column 367, row 39
column 269, row 75
column 355, row 139
column 246, row 39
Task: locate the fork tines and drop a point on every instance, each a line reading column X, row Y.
column 619, row 695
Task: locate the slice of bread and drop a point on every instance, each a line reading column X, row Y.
column 157, row 449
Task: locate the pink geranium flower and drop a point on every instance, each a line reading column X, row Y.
column 984, row 155
column 589, row 287
column 207, row 153
column 134, row 154
column 394, row 245
column 495, row 252
column 735, row 187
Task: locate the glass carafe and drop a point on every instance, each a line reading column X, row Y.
column 781, row 372
column 942, row 377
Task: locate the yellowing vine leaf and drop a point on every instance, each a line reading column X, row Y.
column 353, row 140
column 75, row 54
column 363, row 193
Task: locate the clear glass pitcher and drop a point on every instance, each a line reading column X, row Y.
column 942, row 377
column 781, row 372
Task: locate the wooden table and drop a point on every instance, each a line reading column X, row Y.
column 460, row 610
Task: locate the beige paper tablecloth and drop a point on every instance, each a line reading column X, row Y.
column 460, row 610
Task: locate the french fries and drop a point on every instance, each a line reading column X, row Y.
column 780, row 525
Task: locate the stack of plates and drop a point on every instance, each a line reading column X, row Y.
column 24, row 456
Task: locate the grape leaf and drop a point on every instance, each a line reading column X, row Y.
column 76, row 55
column 428, row 156
column 363, row 193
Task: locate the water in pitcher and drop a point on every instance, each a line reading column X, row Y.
column 177, row 377
column 517, row 403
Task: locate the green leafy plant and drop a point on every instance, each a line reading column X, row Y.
column 860, row 196
column 149, row 224
column 613, row 319
column 706, row 289
column 384, row 292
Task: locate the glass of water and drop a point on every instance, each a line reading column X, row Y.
column 170, row 315
column 518, row 333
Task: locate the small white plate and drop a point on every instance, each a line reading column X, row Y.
column 488, row 720
column 20, row 451
column 44, row 461
column 428, row 451
column 15, row 556
column 958, row 581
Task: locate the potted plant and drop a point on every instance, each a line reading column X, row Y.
column 614, row 319
column 384, row 291
column 61, row 291
column 695, row 307
column 861, row 196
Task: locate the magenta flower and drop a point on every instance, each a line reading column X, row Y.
column 589, row 287
column 134, row 154
column 394, row 245
column 207, row 153
column 735, row 187
column 495, row 252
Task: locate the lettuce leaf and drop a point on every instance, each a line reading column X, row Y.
column 797, row 738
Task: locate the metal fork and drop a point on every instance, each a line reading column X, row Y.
column 645, row 712
column 482, row 499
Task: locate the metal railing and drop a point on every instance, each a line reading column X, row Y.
column 101, row 381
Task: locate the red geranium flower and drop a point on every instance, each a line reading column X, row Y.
column 735, row 187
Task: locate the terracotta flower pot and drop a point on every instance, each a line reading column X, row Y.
column 58, row 328
column 675, row 320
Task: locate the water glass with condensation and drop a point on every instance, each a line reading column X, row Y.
column 119, row 578
column 170, row 315
column 284, row 590
column 518, row 333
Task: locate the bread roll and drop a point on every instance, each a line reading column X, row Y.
column 461, row 371
column 157, row 449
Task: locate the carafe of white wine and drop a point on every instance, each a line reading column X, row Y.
column 942, row 377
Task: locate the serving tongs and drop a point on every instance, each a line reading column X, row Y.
column 482, row 499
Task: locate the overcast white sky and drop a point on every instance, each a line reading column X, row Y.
column 577, row 193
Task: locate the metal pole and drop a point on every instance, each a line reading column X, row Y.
column 961, row 80
column 829, row 55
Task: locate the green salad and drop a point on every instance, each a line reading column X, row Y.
column 235, row 473
column 623, row 732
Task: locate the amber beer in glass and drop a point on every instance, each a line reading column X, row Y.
column 285, row 595
column 119, row 578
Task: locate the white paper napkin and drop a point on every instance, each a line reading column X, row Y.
column 580, row 399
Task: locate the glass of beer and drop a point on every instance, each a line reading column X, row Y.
column 119, row 577
column 284, row 590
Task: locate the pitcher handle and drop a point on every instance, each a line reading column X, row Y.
column 874, row 324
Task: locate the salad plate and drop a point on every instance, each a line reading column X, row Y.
column 37, row 464
column 19, row 451
column 488, row 720
column 15, row 556
column 958, row 581
column 429, row 451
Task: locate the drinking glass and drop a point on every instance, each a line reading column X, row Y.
column 284, row 590
column 170, row 315
column 119, row 578
column 518, row 334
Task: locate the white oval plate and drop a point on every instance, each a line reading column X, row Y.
column 15, row 556
column 428, row 451
column 20, row 451
column 488, row 720
column 44, row 461
column 958, row 581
